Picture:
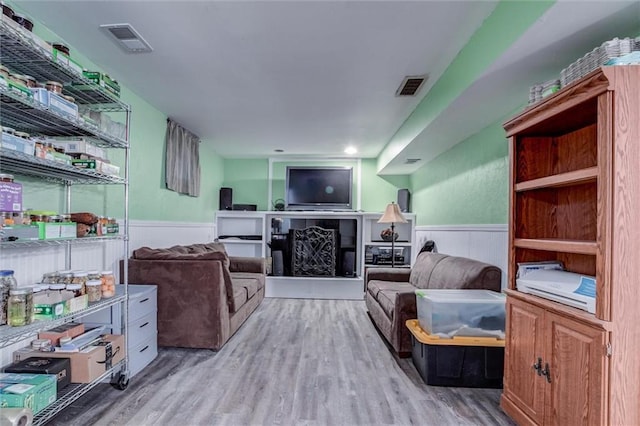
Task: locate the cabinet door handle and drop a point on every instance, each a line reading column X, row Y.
column 144, row 300
column 538, row 366
column 145, row 324
column 144, row 349
column 546, row 372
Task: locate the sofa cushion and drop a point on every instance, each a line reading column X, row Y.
column 239, row 297
column 384, row 292
column 249, row 284
column 436, row 270
column 259, row 278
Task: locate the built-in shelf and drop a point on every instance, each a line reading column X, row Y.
column 563, row 179
column 566, row 246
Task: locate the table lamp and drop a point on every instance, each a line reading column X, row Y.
column 392, row 215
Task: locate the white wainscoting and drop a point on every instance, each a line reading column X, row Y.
column 156, row 234
column 487, row 243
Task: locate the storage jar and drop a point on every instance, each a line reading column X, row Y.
column 4, row 177
column 54, row 86
column 8, row 278
column 80, row 277
column 20, row 306
column 65, row 277
column 108, row 284
column 50, row 278
column 94, row 290
column 4, row 302
column 76, row 289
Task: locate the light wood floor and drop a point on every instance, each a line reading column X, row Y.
column 294, row 362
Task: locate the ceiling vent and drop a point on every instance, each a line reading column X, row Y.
column 410, row 85
column 412, row 160
column 127, row 38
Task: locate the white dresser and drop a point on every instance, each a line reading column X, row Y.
column 142, row 327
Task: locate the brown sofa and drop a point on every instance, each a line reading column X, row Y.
column 390, row 292
column 204, row 296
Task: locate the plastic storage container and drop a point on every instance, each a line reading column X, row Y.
column 473, row 313
column 474, row 362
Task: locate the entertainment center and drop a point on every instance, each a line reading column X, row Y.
column 352, row 240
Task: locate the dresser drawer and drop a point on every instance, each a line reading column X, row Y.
column 141, row 303
column 142, row 355
column 142, row 329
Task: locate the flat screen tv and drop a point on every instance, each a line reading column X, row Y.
column 318, row 188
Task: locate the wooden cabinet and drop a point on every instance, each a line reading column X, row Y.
column 574, row 197
column 554, row 367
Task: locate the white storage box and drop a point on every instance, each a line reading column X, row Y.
column 448, row 313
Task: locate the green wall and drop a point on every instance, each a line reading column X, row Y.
column 467, row 184
column 148, row 197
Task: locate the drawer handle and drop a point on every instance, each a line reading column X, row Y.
column 144, row 349
column 145, row 324
column 144, row 300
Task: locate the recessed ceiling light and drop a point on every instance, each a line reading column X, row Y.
column 350, row 150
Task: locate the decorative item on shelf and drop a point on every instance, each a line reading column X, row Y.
column 278, row 205
column 388, row 235
column 392, row 215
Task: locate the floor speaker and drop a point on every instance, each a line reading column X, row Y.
column 349, row 263
column 278, row 263
column 226, row 199
column 404, row 200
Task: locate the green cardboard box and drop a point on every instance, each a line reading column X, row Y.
column 34, row 391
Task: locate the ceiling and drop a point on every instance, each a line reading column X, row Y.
column 312, row 77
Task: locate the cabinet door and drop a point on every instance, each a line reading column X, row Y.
column 577, row 360
column 523, row 386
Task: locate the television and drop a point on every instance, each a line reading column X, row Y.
column 319, row 188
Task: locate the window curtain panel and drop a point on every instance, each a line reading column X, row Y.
column 182, row 162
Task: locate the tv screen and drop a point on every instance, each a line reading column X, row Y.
column 318, row 188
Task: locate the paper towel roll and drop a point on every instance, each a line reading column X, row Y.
column 16, row 417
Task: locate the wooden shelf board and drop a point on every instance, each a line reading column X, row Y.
column 568, row 246
column 562, row 179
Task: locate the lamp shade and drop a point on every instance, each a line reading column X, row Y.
column 392, row 214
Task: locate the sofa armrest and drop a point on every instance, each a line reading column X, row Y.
column 193, row 308
column 400, row 275
column 247, row 264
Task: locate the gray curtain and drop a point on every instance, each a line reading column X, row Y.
column 182, row 162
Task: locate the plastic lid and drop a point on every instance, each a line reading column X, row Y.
column 80, row 274
column 40, row 287
column 57, row 286
column 461, row 295
column 6, row 272
column 92, row 283
column 73, row 287
column 107, row 272
column 93, row 272
column 65, row 339
column 66, row 271
column 20, row 291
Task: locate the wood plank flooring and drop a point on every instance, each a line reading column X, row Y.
column 294, row 362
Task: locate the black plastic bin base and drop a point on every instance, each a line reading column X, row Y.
column 460, row 366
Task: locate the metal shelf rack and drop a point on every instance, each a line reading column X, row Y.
column 24, row 53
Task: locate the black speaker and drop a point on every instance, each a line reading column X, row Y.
column 245, row 207
column 404, row 200
column 226, row 199
column 349, row 263
column 278, row 263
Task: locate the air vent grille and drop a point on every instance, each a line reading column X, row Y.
column 412, row 160
column 410, row 85
column 125, row 36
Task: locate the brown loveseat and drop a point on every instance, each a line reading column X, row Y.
column 204, row 295
column 390, row 294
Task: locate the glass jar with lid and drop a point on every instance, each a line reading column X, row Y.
column 65, row 277
column 81, row 277
column 4, row 177
column 20, row 306
column 108, row 284
column 94, row 290
column 7, row 277
column 50, row 277
column 94, row 275
column 57, row 288
column 4, row 302
column 75, row 288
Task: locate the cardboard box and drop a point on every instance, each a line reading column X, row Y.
column 67, row 230
column 48, row 230
column 20, row 90
column 85, row 164
column 108, row 168
column 79, row 146
column 10, row 197
column 15, row 143
column 71, row 329
column 48, row 306
column 35, row 391
column 88, row 364
column 59, row 367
